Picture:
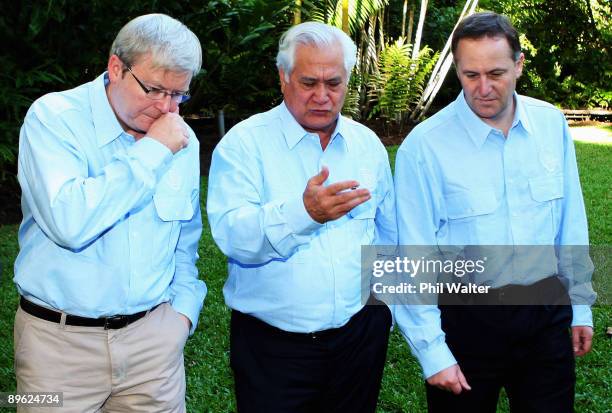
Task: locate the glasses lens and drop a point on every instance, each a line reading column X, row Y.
column 156, row 94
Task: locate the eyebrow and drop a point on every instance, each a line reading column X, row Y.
column 314, row 79
column 497, row 69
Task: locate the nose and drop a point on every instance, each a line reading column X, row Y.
column 321, row 95
column 484, row 86
column 165, row 104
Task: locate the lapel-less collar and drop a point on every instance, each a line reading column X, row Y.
column 106, row 124
column 476, row 128
column 294, row 132
column 521, row 116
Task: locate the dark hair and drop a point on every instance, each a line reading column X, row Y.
column 487, row 24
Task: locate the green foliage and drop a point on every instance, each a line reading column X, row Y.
column 351, row 106
column 59, row 44
column 240, row 41
column 568, row 49
column 331, row 12
column 399, row 83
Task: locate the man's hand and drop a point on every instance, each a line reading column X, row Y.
column 171, row 130
column 582, row 340
column 450, row 379
column 328, row 203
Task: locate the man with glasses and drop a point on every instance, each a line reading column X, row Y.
column 111, row 222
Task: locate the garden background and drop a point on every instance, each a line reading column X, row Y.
column 56, row 45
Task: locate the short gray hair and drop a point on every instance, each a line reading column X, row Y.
column 318, row 35
column 171, row 44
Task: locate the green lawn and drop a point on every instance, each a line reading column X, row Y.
column 209, row 380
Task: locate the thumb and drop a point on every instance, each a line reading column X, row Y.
column 320, row 177
column 462, row 380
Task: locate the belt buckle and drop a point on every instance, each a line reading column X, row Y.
column 115, row 322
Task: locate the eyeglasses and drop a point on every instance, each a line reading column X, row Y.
column 158, row 94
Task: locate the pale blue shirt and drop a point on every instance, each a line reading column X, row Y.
column 461, row 182
column 285, row 268
column 110, row 225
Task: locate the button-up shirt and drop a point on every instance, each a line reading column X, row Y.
column 110, row 224
column 285, row 268
column 461, row 182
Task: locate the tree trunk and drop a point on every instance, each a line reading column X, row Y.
column 404, row 17
column 345, row 16
column 419, row 32
column 297, row 12
column 410, row 23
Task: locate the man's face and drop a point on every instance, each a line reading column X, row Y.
column 487, row 72
column 135, row 111
column 316, row 88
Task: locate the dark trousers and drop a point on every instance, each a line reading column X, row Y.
column 525, row 349
column 338, row 370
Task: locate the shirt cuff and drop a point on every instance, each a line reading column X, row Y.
column 435, row 358
column 190, row 307
column 299, row 220
column 582, row 315
column 152, row 154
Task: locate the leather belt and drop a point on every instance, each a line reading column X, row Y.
column 109, row 323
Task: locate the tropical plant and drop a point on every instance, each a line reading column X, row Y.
column 399, row 82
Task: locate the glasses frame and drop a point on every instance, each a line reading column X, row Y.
column 174, row 96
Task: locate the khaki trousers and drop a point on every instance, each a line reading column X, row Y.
column 138, row 368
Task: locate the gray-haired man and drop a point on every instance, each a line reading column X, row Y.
column 111, row 222
column 283, row 207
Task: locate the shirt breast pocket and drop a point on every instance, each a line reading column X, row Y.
column 546, row 192
column 171, row 209
column 471, row 217
column 362, row 222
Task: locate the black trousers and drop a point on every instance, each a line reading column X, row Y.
column 338, row 370
column 525, row 349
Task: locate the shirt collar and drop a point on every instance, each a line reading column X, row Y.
column 106, row 125
column 294, row 132
column 477, row 129
column 520, row 114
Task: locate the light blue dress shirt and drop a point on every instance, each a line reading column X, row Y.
column 285, row 268
column 460, row 182
column 110, row 225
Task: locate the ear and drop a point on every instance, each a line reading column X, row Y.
column 518, row 66
column 283, row 82
column 114, row 68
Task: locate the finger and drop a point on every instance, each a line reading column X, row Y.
column 462, row 381
column 588, row 343
column 344, row 208
column 348, row 196
column 585, row 346
column 456, row 387
column 341, row 186
column 576, row 345
column 320, row 177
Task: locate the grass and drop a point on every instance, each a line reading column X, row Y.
column 209, row 380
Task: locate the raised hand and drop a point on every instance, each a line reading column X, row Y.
column 171, row 130
column 327, row 203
